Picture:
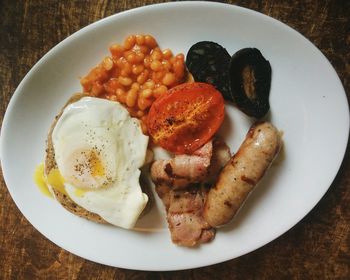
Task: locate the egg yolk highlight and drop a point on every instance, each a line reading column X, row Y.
column 96, row 166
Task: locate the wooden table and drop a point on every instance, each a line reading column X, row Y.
column 317, row 247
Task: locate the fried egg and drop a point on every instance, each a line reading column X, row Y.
column 99, row 150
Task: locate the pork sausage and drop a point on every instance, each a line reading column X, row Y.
column 241, row 174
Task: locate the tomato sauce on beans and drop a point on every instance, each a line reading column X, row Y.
column 136, row 74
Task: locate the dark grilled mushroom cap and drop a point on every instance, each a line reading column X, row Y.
column 208, row 62
column 250, row 82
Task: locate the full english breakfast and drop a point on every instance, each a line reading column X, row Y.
column 140, row 97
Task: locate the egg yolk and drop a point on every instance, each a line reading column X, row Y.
column 95, row 165
column 54, row 179
column 40, row 180
column 80, row 192
column 84, row 169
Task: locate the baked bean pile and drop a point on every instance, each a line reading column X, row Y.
column 137, row 73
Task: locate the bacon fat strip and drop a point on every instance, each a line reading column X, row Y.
column 184, row 215
column 241, row 174
column 183, row 170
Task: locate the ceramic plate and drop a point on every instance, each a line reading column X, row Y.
column 308, row 104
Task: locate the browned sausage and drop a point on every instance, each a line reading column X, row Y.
column 241, row 174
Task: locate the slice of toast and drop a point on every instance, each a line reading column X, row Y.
column 65, row 200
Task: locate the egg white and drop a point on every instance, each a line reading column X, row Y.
column 106, row 127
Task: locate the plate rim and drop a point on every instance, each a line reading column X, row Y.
column 73, row 36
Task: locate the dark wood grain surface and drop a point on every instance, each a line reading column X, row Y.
column 317, row 247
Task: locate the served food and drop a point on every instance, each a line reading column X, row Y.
column 242, row 173
column 186, row 118
column 92, row 167
column 183, row 183
column 250, row 83
column 209, row 62
column 183, row 170
column 244, row 78
column 98, row 143
column 136, row 74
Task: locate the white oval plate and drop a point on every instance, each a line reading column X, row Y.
column 308, row 104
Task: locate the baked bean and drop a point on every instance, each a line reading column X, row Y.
column 96, row 89
column 137, row 68
column 129, row 42
column 143, row 103
column 116, row 50
column 172, row 60
column 149, row 84
column 119, row 92
column 144, row 49
column 125, row 81
column 142, row 78
column 179, row 69
column 146, row 93
column 169, row 79
column 121, row 96
column 159, row 91
column 167, row 53
column 150, row 41
column 100, row 74
column 144, row 127
column 180, row 57
column 144, row 119
column 112, row 97
column 166, row 65
column 131, row 97
column 107, row 63
column 156, row 54
column 140, row 39
column 120, row 62
column 132, row 57
column 156, row 65
column 126, row 69
column 140, row 113
column 86, row 83
column 139, row 57
column 111, row 86
column 147, row 61
column 133, row 111
column 158, row 76
column 136, row 86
